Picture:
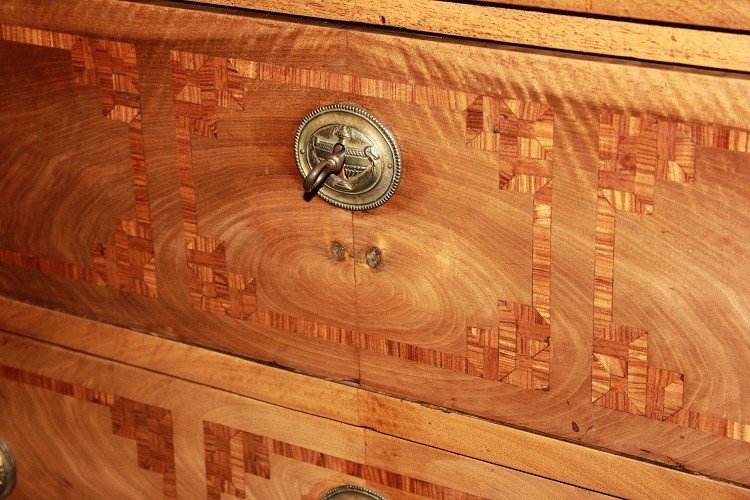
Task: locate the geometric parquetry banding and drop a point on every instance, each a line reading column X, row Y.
column 111, row 67
column 231, row 454
column 202, row 84
column 635, row 152
column 149, row 426
column 521, row 134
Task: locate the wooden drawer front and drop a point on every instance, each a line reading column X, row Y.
column 566, row 251
column 83, row 427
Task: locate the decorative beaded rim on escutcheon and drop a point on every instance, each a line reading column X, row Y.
column 358, row 491
column 387, row 180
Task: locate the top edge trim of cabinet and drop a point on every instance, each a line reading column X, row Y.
column 723, row 14
column 672, row 44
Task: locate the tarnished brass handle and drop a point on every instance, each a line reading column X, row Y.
column 332, row 164
column 7, row 470
column 345, row 139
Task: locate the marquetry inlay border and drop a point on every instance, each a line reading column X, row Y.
column 635, row 152
column 110, row 66
column 519, row 132
column 232, row 453
column 149, row 426
column 518, row 351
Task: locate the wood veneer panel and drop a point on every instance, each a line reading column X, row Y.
column 44, row 174
column 472, row 437
column 225, row 443
column 64, row 447
column 124, row 259
column 534, row 275
column 150, row 426
column 87, row 161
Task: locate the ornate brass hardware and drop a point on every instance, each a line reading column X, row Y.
column 347, row 157
column 331, row 164
column 351, row 492
column 7, row 470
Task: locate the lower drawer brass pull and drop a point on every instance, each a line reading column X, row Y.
column 7, row 470
column 351, row 492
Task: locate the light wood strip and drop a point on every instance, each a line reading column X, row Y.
column 539, row 29
column 731, row 14
column 227, row 372
column 469, row 436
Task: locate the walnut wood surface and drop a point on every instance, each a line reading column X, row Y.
column 211, row 441
column 525, row 241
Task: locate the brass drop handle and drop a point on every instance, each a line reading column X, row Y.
column 331, row 164
column 345, row 139
column 7, row 470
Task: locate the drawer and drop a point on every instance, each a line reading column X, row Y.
column 490, row 443
column 565, row 252
column 82, row 427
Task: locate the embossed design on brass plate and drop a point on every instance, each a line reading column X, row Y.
column 372, row 162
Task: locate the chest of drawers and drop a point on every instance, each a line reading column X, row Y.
column 554, row 300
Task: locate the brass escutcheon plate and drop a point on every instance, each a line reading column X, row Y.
column 351, row 492
column 7, row 470
column 372, row 164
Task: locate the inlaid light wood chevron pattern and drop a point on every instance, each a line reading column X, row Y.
column 232, row 453
column 635, row 151
column 520, row 132
column 128, row 264
column 517, row 352
column 522, row 135
column 201, row 85
column 149, row 426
